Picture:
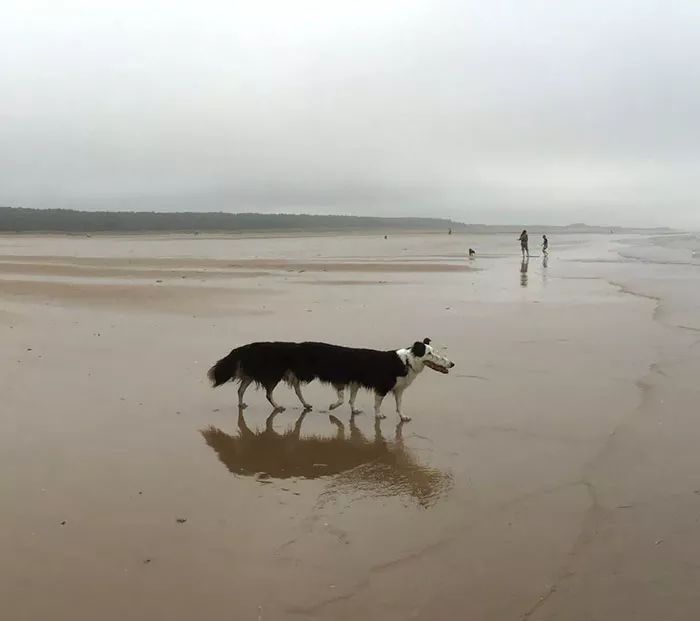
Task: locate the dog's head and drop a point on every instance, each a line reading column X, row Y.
column 422, row 354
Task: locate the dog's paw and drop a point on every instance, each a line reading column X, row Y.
column 355, row 412
column 242, row 406
column 334, row 406
column 404, row 419
column 379, row 416
column 308, row 407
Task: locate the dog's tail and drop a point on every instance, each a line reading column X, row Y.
column 224, row 370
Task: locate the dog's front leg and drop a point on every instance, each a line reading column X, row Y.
column 378, row 405
column 271, row 399
column 341, row 398
column 297, row 390
column 398, row 394
column 353, row 395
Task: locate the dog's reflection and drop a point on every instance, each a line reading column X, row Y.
column 352, row 461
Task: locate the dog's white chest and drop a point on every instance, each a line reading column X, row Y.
column 405, row 381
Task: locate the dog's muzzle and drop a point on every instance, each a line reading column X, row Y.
column 439, row 368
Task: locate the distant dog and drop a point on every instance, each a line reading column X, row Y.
column 267, row 364
column 472, row 253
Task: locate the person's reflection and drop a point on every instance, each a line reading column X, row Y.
column 351, row 461
column 523, row 272
column 545, row 263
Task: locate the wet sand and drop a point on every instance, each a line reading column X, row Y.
column 553, row 474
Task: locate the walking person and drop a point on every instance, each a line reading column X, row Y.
column 524, row 244
column 545, row 245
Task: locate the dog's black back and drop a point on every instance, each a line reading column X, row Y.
column 341, row 366
column 268, row 363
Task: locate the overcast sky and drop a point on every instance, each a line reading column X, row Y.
column 494, row 111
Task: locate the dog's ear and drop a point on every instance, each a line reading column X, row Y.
column 426, row 340
column 418, row 349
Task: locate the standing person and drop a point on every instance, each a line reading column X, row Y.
column 545, row 245
column 523, row 244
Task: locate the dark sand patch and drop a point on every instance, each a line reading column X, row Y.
column 326, row 265
column 104, row 271
column 149, row 297
column 349, row 283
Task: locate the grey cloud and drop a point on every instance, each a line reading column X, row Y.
column 490, row 112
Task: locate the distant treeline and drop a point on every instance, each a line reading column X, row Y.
column 15, row 219
column 22, row 220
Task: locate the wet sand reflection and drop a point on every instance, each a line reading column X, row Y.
column 523, row 272
column 352, row 461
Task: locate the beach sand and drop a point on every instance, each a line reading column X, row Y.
column 554, row 474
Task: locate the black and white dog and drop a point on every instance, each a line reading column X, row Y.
column 267, row 364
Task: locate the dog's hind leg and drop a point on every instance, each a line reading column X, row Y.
column 398, row 394
column 340, row 400
column 353, row 395
column 245, row 382
column 268, row 393
column 297, row 389
column 378, row 405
